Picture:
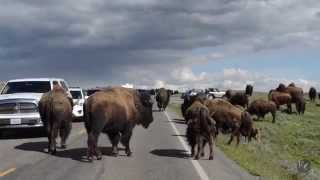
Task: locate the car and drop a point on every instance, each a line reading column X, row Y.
column 19, row 100
column 190, row 93
column 78, row 98
column 214, row 93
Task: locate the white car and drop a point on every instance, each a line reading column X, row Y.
column 214, row 93
column 19, row 100
column 78, row 100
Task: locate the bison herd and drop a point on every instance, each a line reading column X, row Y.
column 233, row 114
column 116, row 111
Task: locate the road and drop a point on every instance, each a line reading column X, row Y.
column 159, row 152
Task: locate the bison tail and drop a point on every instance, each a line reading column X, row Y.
column 86, row 118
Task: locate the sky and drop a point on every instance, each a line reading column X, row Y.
column 177, row 44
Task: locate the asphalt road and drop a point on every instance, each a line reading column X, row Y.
column 159, row 152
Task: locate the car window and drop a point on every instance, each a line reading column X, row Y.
column 27, row 87
column 76, row 94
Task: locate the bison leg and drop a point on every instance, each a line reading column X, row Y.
column 64, row 133
column 115, row 138
column 211, row 144
column 125, row 139
column 273, row 116
column 193, row 146
column 289, row 106
column 53, row 136
column 199, row 144
column 93, row 146
column 235, row 132
column 204, row 142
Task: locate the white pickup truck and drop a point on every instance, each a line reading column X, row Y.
column 19, row 102
column 214, row 93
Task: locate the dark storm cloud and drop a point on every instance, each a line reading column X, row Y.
column 94, row 42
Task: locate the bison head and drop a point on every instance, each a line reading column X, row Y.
column 281, row 87
column 146, row 109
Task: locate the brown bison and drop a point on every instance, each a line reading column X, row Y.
column 163, row 98
column 294, row 91
column 249, row 90
column 281, row 98
column 262, row 107
column 55, row 108
column 312, row 94
column 238, row 98
column 200, row 130
column 115, row 111
column 231, row 119
column 301, row 105
column 189, row 100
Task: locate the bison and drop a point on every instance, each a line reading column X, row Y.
column 294, row 91
column 231, row 119
column 262, row 107
column 55, row 108
column 312, row 94
column 189, row 100
column 281, row 98
column 301, row 105
column 200, row 130
column 238, row 98
column 249, row 90
column 163, row 98
column 115, row 111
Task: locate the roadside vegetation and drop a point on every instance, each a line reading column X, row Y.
column 283, row 144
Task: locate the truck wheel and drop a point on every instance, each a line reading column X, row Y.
column 211, row 97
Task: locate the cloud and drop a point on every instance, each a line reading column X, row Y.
column 100, row 42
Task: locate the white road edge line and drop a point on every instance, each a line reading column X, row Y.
column 203, row 175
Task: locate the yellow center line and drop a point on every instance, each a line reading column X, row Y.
column 8, row 171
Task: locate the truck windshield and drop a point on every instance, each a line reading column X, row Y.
column 27, row 87
column 76, row 94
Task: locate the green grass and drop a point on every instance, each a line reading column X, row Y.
column 283, row 144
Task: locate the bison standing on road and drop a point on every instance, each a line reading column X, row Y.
column 201, row 129
column 249, row 90
column 312, row 94
column 115, row 111
column 231, row 119
column 262, row 107
column 163, row 98
column 189, row 100
column 55, row 108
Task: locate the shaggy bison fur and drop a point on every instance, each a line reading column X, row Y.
column 55, row 108
column 163, row 98
column 231, row 119
column 115, row 111
column 200, row 130
column 262, row 107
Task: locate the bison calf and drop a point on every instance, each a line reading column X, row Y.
column 200, row 130
column 262, row 107
column 55, row 108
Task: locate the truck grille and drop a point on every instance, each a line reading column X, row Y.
column 19, row 107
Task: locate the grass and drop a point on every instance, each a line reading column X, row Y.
column 283, row 144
